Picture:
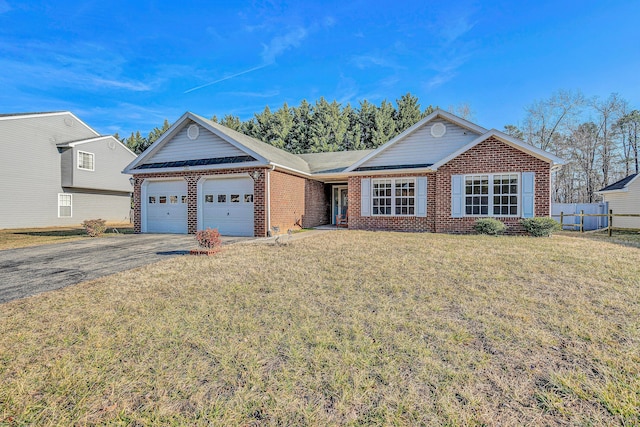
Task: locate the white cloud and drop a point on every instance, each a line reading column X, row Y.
column 278, row 45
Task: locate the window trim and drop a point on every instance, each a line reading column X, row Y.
column 61, row 205
column 93, row 161
column 393, row 196
column 490, row 195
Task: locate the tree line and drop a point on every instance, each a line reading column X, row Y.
column 318, row 127
column 598, row 138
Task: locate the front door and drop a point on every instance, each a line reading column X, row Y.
column 340, row 201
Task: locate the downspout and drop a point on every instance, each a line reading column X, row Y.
column 268, row 183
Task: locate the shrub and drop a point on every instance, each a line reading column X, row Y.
column 541, row 226
column 209, row 238
column 94, row 227
column 490, row 226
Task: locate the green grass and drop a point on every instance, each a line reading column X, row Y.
column 18, row 238
column 345, row 328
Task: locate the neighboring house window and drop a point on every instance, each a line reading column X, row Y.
column 86, row 161
column 395, row 197
column 491, row 194
column 64, row 205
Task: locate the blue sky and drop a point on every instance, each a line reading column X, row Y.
column 123, row 66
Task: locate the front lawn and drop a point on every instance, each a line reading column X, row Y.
column 355, row 328
column 23, row 237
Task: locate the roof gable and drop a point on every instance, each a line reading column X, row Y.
column 419, row 146
column 214, row 145
column 621, row 185
column 36, row 128
column 514, row 142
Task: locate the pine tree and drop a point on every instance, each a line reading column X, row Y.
column 299, row 139
column 232, row 122
column 408, row 112
column 367, row 121
column 136, row 142
column 328, row 126
column 281, row 124
column 353, row 137
column 385, row 126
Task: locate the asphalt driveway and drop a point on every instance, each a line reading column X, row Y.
column 29, row 271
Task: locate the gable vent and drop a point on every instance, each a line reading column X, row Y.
column 193, row 132
column 438, row 130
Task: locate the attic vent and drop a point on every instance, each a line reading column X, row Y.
column 438, row 130
column 111, row 145
column 68, row 121
column 193, row 132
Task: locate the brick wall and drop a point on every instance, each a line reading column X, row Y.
column 317, row 205
column 287, row 200
column 390, row 223
column 490, row 156
column 192, row 177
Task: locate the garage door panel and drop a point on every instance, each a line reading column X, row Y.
column 166, row 207
column 227, row 204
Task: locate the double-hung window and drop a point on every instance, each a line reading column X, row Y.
column 393, row 197
column 86, row 161
column 64, row 205
column 492, row 194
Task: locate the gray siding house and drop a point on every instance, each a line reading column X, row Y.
column 55, row 171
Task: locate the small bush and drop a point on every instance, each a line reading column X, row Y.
column 490, row 226
column 94, row 227
column 209, row 238
column 541, row 226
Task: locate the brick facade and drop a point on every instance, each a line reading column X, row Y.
column 295, row 201
column 287, row 200
column 490, row 156
column 391, row 223
column 317, row 204
column 192, row 177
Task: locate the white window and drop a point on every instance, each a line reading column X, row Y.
column 86, row 161
column 491, row 195
column 393, row 197
column 64, row 205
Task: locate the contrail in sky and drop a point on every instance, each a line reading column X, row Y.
column 227, row 78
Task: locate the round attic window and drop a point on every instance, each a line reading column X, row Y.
column 68, row 121
column 438, row 130
column 193, row 132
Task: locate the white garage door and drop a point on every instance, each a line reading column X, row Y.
column 166, row 207
column 227, row 204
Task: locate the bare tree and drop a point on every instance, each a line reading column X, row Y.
column 545, row 119
column 462, row 110
column 609, row 111
column 629, row 127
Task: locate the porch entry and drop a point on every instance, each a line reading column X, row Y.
column 339, row 202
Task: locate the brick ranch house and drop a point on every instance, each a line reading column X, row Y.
column 440, row 175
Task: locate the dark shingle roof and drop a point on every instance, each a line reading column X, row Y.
column 620, row 184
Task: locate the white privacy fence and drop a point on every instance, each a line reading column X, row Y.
column 573, row 209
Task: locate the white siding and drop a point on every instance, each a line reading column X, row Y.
column 206, row 146
column 625, row 202
column 422, row 148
